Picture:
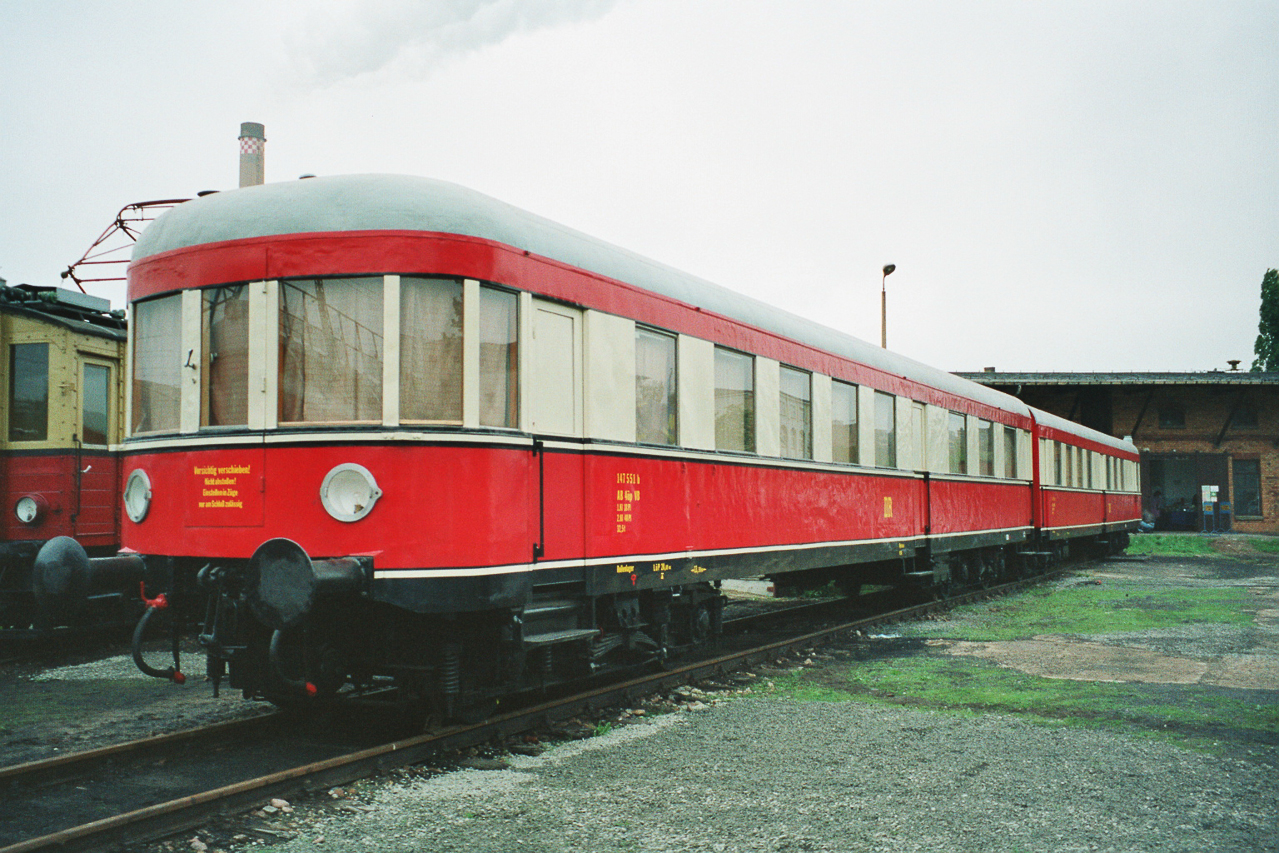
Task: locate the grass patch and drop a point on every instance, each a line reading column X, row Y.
column 1087, row 609
column 1265, row 546
column 975, row 686
column 1158, row 544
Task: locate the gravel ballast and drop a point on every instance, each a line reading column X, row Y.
column 1169, row 742
column 779, row 775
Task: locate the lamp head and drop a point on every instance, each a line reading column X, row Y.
column 888, row 268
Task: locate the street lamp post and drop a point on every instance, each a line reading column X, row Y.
column 883, row 305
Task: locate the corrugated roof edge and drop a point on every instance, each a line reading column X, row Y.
column 406, row 203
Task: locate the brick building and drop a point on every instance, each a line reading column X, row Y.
column 1193, row 429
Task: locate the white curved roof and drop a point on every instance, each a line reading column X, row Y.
column 399, row 202
column 1057, row 422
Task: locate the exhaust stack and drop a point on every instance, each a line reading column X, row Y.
column 252, row 154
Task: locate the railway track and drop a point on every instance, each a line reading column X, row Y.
column 32, row 792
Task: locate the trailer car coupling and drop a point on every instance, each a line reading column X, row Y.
column 155, row 605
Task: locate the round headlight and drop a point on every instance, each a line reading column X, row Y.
column 137, row 495
column 30, row 509
column 349, row 492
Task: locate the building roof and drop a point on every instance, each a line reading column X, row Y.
column 1212, row 377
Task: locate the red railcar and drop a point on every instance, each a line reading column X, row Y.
column 390, row 428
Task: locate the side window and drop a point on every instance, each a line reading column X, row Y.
column 885, row 430
column 1172, row 416
column 499, row 358
column 1247, row 486
column 430, row 350
column 985, row 448
column 796, row 413
column 1010, row 453
column 1245, row 415
column 958, row 440
column 1058, row 465
column 843, row 412
column 157, row 364
column 224, row 367
column 734, row 401
column 95, row 404
column 656, row 404
column 919, row 425
column 29, row 392
column 331, row 350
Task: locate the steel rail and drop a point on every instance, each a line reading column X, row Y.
column 46, row 770
column 162, row 819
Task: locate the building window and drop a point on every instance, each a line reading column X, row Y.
column 499, row 358
column 655, row 402
column 1247, row 487
column 885, row 430
column 1172, row 416
column 1245, row 415
column 985, row 448
column 331, row 350
column 796, row 413
column 734, row 401
column 29, row 392
column 95, row 405
column 157, row 364
column 957, row 429
column 224, row 367
column 843, row 410
column 1010, row 453
column 430, row 350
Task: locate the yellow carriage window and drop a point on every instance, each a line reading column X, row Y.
column 430, row 350
column 95, row 418
column 157, row 364
column 331, row 350
column 29, row 392
column 224, row 340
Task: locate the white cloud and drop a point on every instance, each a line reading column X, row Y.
column 409, row 38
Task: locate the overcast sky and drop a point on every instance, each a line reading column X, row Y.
column 1062, row 185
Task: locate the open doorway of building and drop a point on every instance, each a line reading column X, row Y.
column 1174, row 483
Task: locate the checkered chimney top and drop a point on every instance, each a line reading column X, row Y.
column 252, row 154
